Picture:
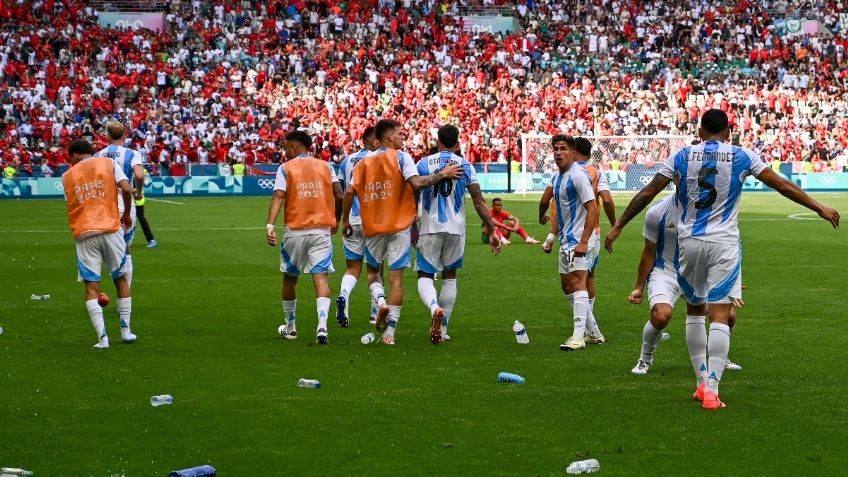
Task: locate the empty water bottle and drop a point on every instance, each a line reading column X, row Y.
column 520, row 333
column 1, row 330
column 510, row 378
column 308, row 383
column 40, row 297
column 14, row 472
column 201, row 471
column 368, row 338
column 665, row 337
column 161, row 400
column 587, row 466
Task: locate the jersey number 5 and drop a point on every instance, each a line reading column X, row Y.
column 703, row 175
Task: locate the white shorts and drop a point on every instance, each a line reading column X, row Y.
column 569, row 263
column 439, row 251
column 710, row 272
column 128, row 234
column 354, row 246
column 662, row 288
column 396, row 248
column 593, row 256
column 310, row 253
column 102, row 249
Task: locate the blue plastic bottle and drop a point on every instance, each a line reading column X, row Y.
column 510, row 378
column 202, row 471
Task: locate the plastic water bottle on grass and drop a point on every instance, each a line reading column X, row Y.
column 201, row 471
column 308, row 383
column 520, row 333
column 161, row 400
column 510, row 378
column 14, row 472
column 587, row 466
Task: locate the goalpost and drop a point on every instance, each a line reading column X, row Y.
column 628, row 161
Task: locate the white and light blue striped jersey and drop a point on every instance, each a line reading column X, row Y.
column 345, row 175
column 661, row 229
column 125, row 159
column 442, row 206
column 572, row 190
column 711, row 178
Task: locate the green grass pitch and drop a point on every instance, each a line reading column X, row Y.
column 207, row 306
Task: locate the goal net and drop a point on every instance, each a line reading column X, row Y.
column 629, row 162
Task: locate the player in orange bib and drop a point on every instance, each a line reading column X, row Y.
column 582, row 149
column 310, row 192
column 385, row 183
column 91, row 194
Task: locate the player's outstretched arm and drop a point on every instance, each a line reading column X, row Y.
column 636, row 205
column 646, row 263
column 544, row 203
column 277, row 202
column 483, row 212
column 795, row 194
column 609, row 206
column 347, row 203
column 450, row 172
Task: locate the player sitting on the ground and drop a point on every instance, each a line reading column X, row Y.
column 577, row 214
column 309, row 190
column 91, row 187
column 441, row 242
column 657, row 267
column 354, row 244
column 505, row 225
column 711, row 176
column 385, row 182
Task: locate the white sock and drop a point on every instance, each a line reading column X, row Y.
column 373, row 309
column 323, row 305
column 650, row 337
column 696, row 341
column 378, row 293
column 348, row 284
column 580, row 307
column 719, row 347
column 591, row 324
column 128, row 270
column 289, row 310
column 95, row 314
column 427, row 292
column 124, row 313
column 447, row 298
column 394, row 317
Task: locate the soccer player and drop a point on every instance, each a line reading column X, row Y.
column 505, row 223
column 385, row 183
column 441, row 241
column 129, row 161
column 577, row 214
column 309, row 190
column 583, row 149
column 92, row 188
column 354, row 245
column 711, row 176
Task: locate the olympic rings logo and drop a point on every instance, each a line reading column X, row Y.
column 265, row 183
column 644, row 180
column 58, row 186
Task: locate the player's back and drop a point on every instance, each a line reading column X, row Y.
column 442, row 206
column 711, row 178
column 125, row 159
column 345, row 176
column 387, row 201
column 91, row 197
column 661, row 229
column 310, row 202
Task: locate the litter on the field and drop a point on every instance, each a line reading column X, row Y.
column 200, row 471
column 510, row 378
column 368, row 338
column 1, row 330
column 14, row 472
column 161, row 400
column 587, row 466
column 40, row 297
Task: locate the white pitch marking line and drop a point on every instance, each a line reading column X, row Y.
column 166, row 201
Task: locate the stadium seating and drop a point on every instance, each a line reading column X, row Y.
column 234, row 76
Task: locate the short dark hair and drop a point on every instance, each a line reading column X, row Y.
column 496, row 199
column 383, row 126
column 369, row 132
column 448, row 135
column 301, row 137
column 583, row 146
column 562, row 138
column 714, row 121
column 80, row 146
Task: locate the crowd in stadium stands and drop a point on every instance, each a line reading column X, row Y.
column 228, row 79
